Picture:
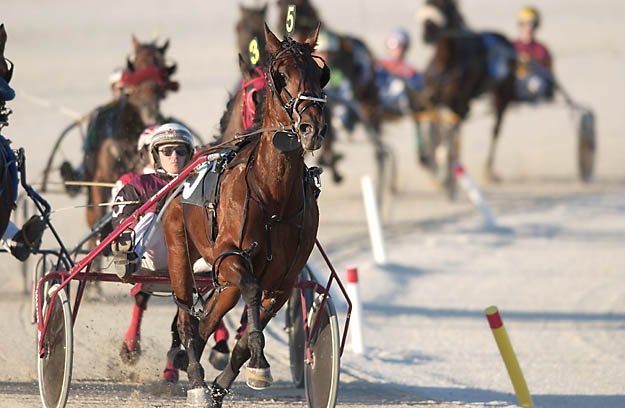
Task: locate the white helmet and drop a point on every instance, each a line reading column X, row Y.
column 170, row 133
column 146, row 137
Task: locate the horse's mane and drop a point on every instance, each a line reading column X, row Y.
column 227, row 114
column 225, row 117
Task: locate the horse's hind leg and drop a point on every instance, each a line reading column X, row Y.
column 176, row 358
column 502, row 98
column 131, row 347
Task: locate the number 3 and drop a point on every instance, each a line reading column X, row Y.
column 290, row 19
column 254, row 53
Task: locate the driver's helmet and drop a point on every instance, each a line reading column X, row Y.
column 170, row 133
column 327, row 42
column 398, row 38
column 528, row 15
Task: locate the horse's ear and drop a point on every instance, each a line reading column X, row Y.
column 135, row 43
column 163, row 48
column 272, row 44
column 312, row 38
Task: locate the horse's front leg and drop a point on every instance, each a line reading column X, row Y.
column 181, row 276
column 251, row 345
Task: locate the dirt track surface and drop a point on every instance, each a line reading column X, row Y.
column 554, row 266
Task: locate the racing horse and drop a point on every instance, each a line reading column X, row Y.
column 114, row 129
column 265, row 222
column 242, row 113
column 8, row 169
column 466, row 64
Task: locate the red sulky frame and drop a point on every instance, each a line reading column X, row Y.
column 81, row 270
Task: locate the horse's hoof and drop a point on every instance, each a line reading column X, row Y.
column 491, row 176
column 130, row 357
column 337, row 178
column 180, row 359
column 258, row 378
column 171, row 375
column 220, row 355
column 199, row 397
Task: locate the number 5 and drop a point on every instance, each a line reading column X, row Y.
column 290, row 19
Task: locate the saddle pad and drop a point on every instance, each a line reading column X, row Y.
column 200, row 189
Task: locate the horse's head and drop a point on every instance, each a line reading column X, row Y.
column 250, row 26
column 146, row 78
column 296, row 79
column 438, row 16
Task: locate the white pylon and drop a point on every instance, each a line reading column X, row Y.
column 474, row 194
column 355, row 329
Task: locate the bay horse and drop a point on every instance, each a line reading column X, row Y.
column 266, row 221
column 242, row 113
column 465, row 65
column 8, row 169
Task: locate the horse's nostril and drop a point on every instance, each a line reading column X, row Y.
column 306, row 129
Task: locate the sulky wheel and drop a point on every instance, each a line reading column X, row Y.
column 321, row 373
column 587, row 144
column 55, row 367
column 295, row 328
column 42, row 266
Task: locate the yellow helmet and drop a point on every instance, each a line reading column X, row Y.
column 528, row 15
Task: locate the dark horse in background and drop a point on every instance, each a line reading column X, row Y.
column 357, row 64
column 465, row 65
column 266, row 222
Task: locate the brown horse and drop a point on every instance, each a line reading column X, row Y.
column 465, row 65
column 115, row 128
column 8, row 171
column 266, row 219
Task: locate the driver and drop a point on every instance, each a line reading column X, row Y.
column 535, row 65
column 143, row 246
column 171, row 149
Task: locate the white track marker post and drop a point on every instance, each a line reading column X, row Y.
column 469, row 186
column 509, row 358
column 355, row 327
column 373, row 220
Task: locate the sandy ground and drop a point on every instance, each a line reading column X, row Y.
column 554, row 266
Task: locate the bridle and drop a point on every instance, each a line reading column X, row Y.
column 293, row 106
column 249, row 90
